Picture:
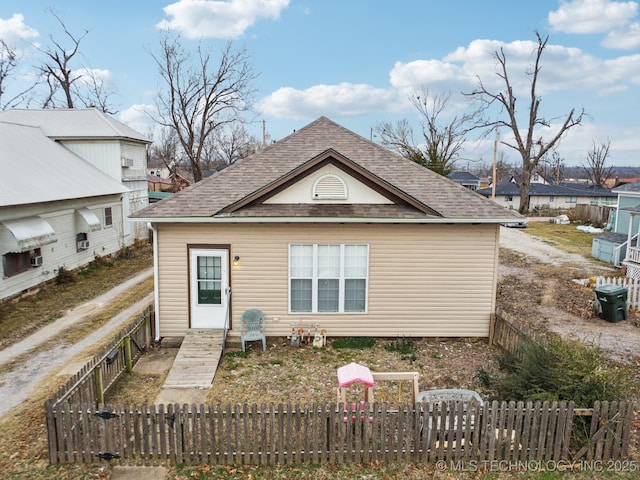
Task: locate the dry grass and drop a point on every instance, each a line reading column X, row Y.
column 565, row 237
column 25, row 315
column 23, row 436
column 305, row 374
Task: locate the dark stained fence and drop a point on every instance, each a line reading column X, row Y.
column 337, row 433
column 507, row 334
column 91, row 383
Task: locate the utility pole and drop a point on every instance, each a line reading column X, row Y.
column 495, row 155
column 264, row 134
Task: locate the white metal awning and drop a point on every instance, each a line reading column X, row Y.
column 87, row 221
column 27, row 233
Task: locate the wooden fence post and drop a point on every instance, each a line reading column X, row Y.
column 127, row 353
column 99, row 390
column 51, row 432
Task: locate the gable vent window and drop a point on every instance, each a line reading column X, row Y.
column 329, row 187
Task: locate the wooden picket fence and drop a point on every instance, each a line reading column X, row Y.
column 631, row 284
column 337, row 433
column 509, row 335
column 95, row 378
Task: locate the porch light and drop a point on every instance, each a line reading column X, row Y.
column 236, row 260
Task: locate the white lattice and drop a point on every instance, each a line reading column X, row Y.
column 633, row 271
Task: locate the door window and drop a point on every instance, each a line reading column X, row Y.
column 209, row 280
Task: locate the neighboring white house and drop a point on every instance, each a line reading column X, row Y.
column 116, row 149
column 543, row 195
column 64, row 192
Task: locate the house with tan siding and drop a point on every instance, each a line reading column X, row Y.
column 326, row 229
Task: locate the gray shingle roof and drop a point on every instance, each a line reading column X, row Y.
column 566, row 189
column 628, row 187
column 425, row 193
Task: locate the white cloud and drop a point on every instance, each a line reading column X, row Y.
column 140, row 118
column 85, row 74
column 344, row 99
column 425, row 72
column 628, row 38
column 562, row 69
column 599, row 16
column 592, row 16
column 217, row 18
column 16, row 34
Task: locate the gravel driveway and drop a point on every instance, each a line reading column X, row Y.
column 621, row 339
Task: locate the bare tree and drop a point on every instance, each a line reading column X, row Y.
column 8, row 63
column 400, row 138
column 552, row 166
column 594, row 167
column 77, row 86
column 532, row 147
column 56, row 68
column 95, row 92
column 442, row 141
column 198, row 99
column 228, row 144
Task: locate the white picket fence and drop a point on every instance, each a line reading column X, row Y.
column 632, row 286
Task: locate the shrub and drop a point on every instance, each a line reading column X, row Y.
column 356, row 343
column 559, row 370
column 65, row 276
column 404, row 346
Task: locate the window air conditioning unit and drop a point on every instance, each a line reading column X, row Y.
column 36, row 261
column 127, row 162
column 83, row 244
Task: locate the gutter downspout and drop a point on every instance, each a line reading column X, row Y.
column 156, row 294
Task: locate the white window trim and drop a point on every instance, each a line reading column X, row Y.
column 341, row 282
column 104, row 217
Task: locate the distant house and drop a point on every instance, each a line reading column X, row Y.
column 620, row 245
column 326, row 229
column 466, row 179
column 545, row 195
column 159, row 184
column 70, row 181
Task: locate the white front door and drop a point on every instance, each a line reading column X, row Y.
column 209, row 270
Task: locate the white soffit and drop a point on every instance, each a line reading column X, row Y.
column 87, row 221
column 29, row 233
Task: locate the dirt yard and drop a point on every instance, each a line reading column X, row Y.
column 536, row 286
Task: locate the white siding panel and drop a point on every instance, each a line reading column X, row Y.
column 63, row 253
column 103, row 154
column 424, row 280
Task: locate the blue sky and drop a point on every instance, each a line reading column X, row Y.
column 357, row 61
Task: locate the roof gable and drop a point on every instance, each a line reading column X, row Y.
column 239, row 188
column 330, row 157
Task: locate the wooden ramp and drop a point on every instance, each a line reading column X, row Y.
column 197, row 360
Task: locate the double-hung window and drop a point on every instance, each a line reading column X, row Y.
column 108, row 217
column 328, row 278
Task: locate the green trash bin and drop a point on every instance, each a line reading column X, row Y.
column 613, row 301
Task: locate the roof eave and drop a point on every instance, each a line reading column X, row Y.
column 225, row 218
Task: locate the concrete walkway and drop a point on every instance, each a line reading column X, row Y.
column 17, row 384
column 71, row 318
column 193, row 369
